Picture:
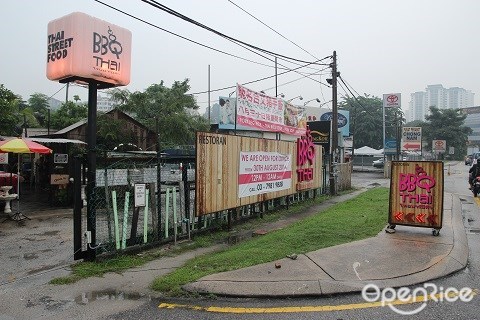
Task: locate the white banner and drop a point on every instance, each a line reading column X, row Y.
column 263, row 172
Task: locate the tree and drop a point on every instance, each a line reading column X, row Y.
column 366, row 120
column 68, row 114
column 447, row 124
column 111, row 132
column 38, row 110
column 171, row 107
column 9, row 115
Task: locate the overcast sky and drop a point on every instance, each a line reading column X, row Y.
column 382, row 46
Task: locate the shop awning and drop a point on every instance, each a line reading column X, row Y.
column 56, row 140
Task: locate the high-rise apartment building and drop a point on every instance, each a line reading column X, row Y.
column 438, row 96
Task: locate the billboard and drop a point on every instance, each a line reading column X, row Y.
column 233, row 171
column 392, row 100
column 321, row 133
column 416, row 194
column 325, row 114
column 81, row 46
column 257, row 111
column 439, row 146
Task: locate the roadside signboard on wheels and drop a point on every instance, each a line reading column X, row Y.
column 416, row 195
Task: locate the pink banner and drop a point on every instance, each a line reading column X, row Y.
column 259, row 111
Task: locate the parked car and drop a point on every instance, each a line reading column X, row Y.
column 468, row 159
column 379, row 163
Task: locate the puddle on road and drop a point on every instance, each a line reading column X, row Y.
column 87, row 297
column 49, row 233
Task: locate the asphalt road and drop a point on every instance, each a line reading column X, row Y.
column 349, row 306
column 30, row 297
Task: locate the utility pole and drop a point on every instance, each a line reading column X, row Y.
column 276, row 78
column 209, row 107
column 334, row 124
column 66, row 93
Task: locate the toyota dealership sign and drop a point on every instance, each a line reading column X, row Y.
column 392, row 100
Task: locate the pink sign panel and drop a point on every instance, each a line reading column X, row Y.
column 79, row 45
column 259, row 111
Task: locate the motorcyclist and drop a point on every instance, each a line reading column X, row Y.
column 473, row 172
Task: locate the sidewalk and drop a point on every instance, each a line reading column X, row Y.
column 407, row 257
column 41, row 249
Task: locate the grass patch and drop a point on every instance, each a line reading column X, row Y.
column 124, row 262
column 355, row 219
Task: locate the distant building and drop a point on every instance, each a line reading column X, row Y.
column 438, row 96
column 105, row 104
column 473, row 121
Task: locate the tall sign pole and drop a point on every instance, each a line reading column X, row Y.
column 334, row 124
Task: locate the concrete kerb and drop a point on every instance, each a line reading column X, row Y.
column 316, row 282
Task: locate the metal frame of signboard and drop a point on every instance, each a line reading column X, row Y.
column 416, row 195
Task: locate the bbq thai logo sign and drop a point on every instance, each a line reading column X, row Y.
column 305, row 161
column 416, row 194
column 81, row 46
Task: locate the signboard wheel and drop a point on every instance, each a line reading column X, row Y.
column 435, row 232
column 390, row 228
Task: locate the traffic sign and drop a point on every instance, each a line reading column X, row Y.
column 411, row 146
column 411, row 139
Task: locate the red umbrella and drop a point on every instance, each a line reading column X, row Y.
column 20, row 145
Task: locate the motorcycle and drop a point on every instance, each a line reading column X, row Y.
column 476, row 186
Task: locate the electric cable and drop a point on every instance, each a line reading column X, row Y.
column 180, row 36
column 183, row 17
column 203, row 45
column 254, row 81
column 281, row 35
column 238, row 42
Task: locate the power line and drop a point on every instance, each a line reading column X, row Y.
column 190, row 20
column 354, row 97
column 214, row 49
column 258, row 80
column 281, row 35
column 236, row 41
column 180, row 36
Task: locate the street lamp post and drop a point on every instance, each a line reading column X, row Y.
column 316, row 99
column 299, row 97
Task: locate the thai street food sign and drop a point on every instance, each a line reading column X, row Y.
column 416, row 194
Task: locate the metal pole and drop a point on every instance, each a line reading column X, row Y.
column 209, row 107
column 66, row 94
column 334, row 124
column 159, row 186
column 276, row 80
column 48, row 122
column 383, row 122
column 92, row 166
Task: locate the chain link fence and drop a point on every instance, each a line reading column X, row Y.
column 142, row 202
